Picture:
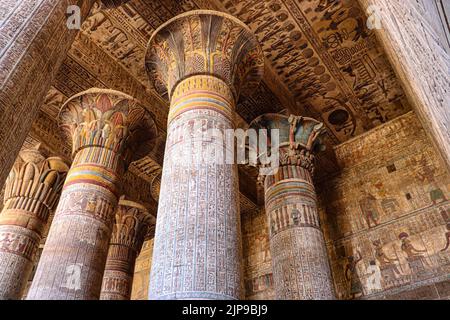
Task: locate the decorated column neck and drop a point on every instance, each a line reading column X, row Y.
column 111, row 121
column 204, row 42
column 34, row 185
column 300, row 138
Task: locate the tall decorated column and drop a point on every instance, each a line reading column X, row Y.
column 32, row 192
column 108, row 129
column 35, row 36
column 299, row 257
column 203, row 61
column 133, row 222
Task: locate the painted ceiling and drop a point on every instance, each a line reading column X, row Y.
column 321, row 61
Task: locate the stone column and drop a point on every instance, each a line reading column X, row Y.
column 203, row 61
column 133, row 221
column 418, row 56
column 34, row 40
column 108, row 129
column 32, row 191
column 299, row 258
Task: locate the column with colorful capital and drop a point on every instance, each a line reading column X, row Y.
column 108, row 130
column 299, row 258
column 202, row 61
column 35, row 36
column 133, row 223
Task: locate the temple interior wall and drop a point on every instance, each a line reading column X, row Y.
column 257, row 262
column 390, row 179
column 386, row 215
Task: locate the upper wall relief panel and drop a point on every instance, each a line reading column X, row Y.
column 321, row 61
column 123, row 34
column 321, row 51
column 329, row 60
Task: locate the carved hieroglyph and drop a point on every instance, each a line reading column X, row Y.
column 299, row 258
column 419, row 58
column 133, row 221
column 386, row 216
column 34, row 40
column 328, row 59
column 203, row 60
column 32, row 191
column 108, row 129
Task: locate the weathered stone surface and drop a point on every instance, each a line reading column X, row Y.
column 32, row 192
column 258, row 274
column 133, row 222
column 418, row 56
column 386, row 214
column 197, row 250
column 141, row 277
column 108, row 130
column 299, row 259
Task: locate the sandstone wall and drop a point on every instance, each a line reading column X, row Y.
column 386, row 216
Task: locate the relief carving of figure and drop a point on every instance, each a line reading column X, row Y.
column 437, row 195
column 295, row 214
column 388, row 204
column 263, row 247
column 382, row 258
column 373, row 281
column 96, row 19
column 273, row 224
column 427, row 174
column 368, row 206
column 352, row 277
column 416, row 257
column 447, row 238
column 388, row 265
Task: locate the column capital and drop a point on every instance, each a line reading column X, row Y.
column 300, row 137
column 133, row 223
column 108, row 119
column 32, row 191
column 34, row 185
column 204, row 42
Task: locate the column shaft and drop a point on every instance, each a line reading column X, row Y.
column 118, row 276
column 197, row 252
column 300, row 264
column 34, row 40
column 72, row 263
column 31, row 193
column 203, row 60
column 109, row 129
